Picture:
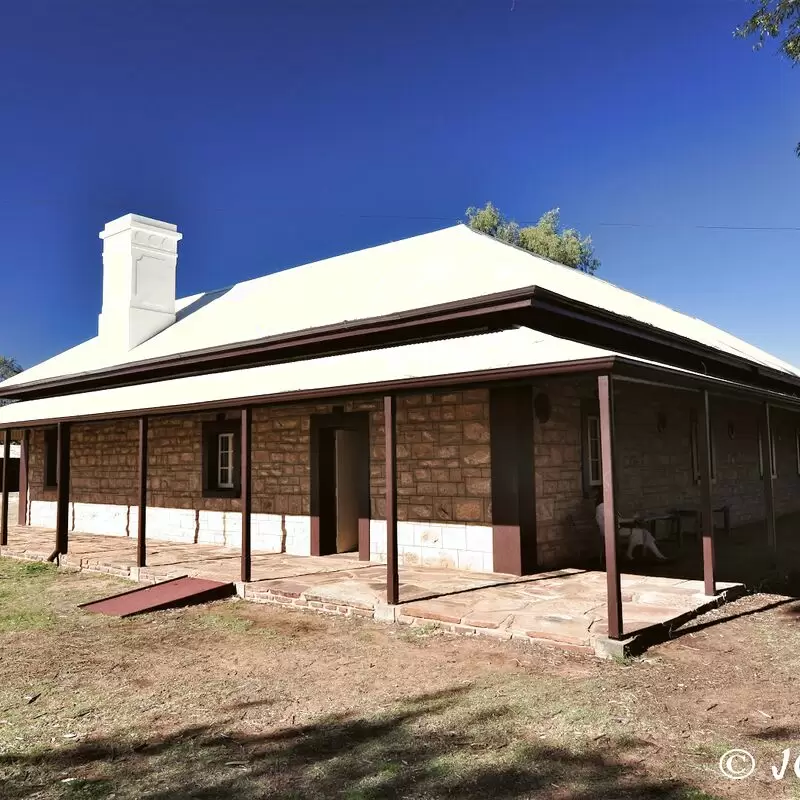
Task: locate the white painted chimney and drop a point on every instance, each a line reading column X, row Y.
column 139, row 260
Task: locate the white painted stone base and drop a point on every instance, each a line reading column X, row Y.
column 92, row 518
column 272, row 533
column 444, row 544
column 42, row 514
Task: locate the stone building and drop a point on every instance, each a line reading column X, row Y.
column 445, row 400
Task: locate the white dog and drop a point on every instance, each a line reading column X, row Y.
column 636, row 536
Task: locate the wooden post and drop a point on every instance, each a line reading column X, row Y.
column 706, row 505
column 246, row 478
column 62, row 479
column 605, row 391
column 141, row 534
column 6, row 473
column 769, row 497
column 392, row 577
column 22, row 513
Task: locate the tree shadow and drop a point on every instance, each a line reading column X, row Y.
column 729, row 612
column 510, row 581
column 432, row 746
column 782, row 733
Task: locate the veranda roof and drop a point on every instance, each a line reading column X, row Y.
column 471, row 354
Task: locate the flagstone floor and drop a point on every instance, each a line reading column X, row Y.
column 563, row 607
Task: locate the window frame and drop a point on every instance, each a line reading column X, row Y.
column 773, row 456
column 50, row 459
column 228, row 438
column 797, row 448
column 590, row 408
column 592, row 481
column 773, row 453
column 212, row 433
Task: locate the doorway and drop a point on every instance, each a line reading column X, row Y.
column 346, row 479
column 340, row 484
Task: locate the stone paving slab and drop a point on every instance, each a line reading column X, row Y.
column 557, row 628
column 564, row 607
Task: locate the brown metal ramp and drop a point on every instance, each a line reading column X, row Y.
column 173, row 593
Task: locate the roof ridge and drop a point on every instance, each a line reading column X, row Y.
column 319, row 261
column 606, row 282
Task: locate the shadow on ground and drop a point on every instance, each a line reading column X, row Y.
column 407, row 752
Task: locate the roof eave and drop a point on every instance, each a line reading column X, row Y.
column 489, row 312
column 590, row 366
column 705, row 358
column 531, row 306
column 663, row 375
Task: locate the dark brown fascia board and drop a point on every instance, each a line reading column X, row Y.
column 465, row 380
column 775, row 375
column 669, row 378
column 498, row 311
column 490, row 312
column 545, row 300
column 621, row 367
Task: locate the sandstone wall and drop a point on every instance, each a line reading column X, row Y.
column 442, row 468
column 443, row 473
column 655, row 469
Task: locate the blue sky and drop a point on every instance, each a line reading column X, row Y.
column 276, row 133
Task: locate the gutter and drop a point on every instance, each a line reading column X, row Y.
column 529, row 306
column 474, row 315
column 645, row 335
column 592, row 366
column 622, row 368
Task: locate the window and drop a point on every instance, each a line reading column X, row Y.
column 797, row 449
column 773, row 462
column 695, row 443
column 774, row 454
column 50, row 458
column 225, row 461
column 593, row 458
column 591, row 451
column 221, row 458
column 760, row 456
column 713, row 448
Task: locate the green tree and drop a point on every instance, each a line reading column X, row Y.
column 775, row 19
column 8, row 367
column 546, row 238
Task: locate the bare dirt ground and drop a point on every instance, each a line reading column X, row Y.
column 234, row 700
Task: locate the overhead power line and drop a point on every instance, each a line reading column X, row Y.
column 700, row 227
column 773, row 228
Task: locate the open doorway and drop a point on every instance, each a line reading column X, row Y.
column 340, row 484
column 346, row 479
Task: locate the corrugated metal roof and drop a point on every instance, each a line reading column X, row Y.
column 440, row 267
column 512, row 348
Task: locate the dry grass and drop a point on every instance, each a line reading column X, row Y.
column 235, row 700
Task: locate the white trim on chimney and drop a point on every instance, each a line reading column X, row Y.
column 140, row 256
